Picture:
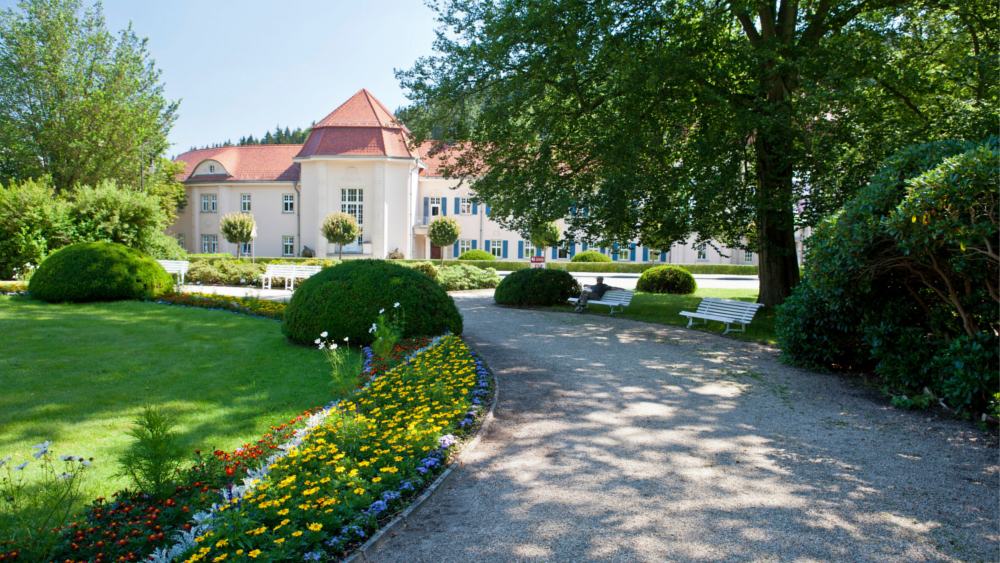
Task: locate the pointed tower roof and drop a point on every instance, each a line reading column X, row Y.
column 361, row 126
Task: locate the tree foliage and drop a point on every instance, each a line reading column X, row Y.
column 77, row 103
column 673, row 120
column 237, row 228
column 545, row 235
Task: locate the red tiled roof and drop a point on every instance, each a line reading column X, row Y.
column 361, row 126
column 263, row 163
column 436, row 157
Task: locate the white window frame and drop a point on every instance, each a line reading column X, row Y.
column 245, row 203
column 748, row 256
column 288, row 203
column 465, row 206
column 563, row 253
column 352, row 202
column 464, row 245
column 211, row 169
column 209, row 203
column 702, row 252
column 529, row 249
column 288, row 246
column 246, row 248
column 209, row 244
column 496, row 248
column 432, row 203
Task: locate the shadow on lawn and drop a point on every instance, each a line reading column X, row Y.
column 611, row 446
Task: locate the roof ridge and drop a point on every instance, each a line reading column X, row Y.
column 368, row 97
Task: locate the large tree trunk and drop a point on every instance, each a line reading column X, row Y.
column 779, row 265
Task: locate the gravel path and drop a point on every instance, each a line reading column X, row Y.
column 621, row 441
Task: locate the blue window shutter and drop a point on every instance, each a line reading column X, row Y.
column 486, row 246
column 474, row 244
column 603, row 249
column 475, row 208
column 631, row 255
column 663, row 257
column 616, row 251
column 520, row 249
column 487, row 209
column 504, row 249
column 584, row 247
column 572, row 250
column 427, row 206
column 458, row 202
column 645, row 254
column 538, row 252
column 455, row 252
column 555, row 253
column 444, row 206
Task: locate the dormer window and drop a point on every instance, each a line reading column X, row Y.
column 211, row 169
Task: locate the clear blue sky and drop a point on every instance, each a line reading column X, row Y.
column 242, row 67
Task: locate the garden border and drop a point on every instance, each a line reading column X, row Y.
column 403, row 518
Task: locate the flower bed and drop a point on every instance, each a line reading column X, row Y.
column 250, row 306
column 14, row 288
column 369, row 458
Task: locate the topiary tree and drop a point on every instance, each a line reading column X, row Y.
column 540, row 287
column 237, row 228
column 346, row 299
column 444, row 231
column 98, row 271
column 590, row 256
column 340, row 229
column 545, row 235
column 667, row 279
column 476, row 255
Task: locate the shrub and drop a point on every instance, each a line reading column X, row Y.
column 154, row 458
column 112, row 213
column 33, row 223
column 667, row 279
column 346, row 298
column 900, row 280
column 166, row 247
column 461, row 277
column 541, row 287
column 590, row 256
column 477, row 255
column 224, row 272
column 98, row 271
column 426, row 268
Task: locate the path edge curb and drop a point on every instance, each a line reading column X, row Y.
column 403, row 518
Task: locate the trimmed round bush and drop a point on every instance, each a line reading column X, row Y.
column 477, row 255
column 345, row 300
column 590, row 256
column 536, row 287
column 98, row 271
column 667, row 279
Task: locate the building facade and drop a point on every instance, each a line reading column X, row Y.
column 357, row 160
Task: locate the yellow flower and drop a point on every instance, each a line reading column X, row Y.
column 359, row 491
column 220, row 558
column 279, row 541
column 239, row 552
column 283, row 512
column 222, row 543
column 315, row 527
column 296, row 534
column 376, row 479
column 253, row 554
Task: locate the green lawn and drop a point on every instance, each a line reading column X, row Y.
column 77, row 375
column 665, row 309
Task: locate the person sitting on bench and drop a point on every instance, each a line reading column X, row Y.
column 594, row 292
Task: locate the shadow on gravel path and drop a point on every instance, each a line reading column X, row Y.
column 620, row 441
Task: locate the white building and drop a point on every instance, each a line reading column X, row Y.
column 356, row 160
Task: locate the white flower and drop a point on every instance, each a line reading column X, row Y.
column 321, row 346
column 42, row 448
column 67, row 458
column 85, row 463
column 324, row 333
column 345, row 338
column 22, row 466
column 333, row 346
column 380, row 311
column 396, row 305
column 317, row 341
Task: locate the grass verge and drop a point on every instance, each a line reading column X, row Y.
column 77, row 374
column 665, row 309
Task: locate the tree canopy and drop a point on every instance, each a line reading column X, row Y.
column 77, row 103
column 680, row 119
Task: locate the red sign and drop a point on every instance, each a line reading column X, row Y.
column 537, row 261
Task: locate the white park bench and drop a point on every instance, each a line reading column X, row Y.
column 614, row 298
column 290, row 272
column 724, row 311
column 179, row 267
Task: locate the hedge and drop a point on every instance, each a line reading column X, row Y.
column 98, row 271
